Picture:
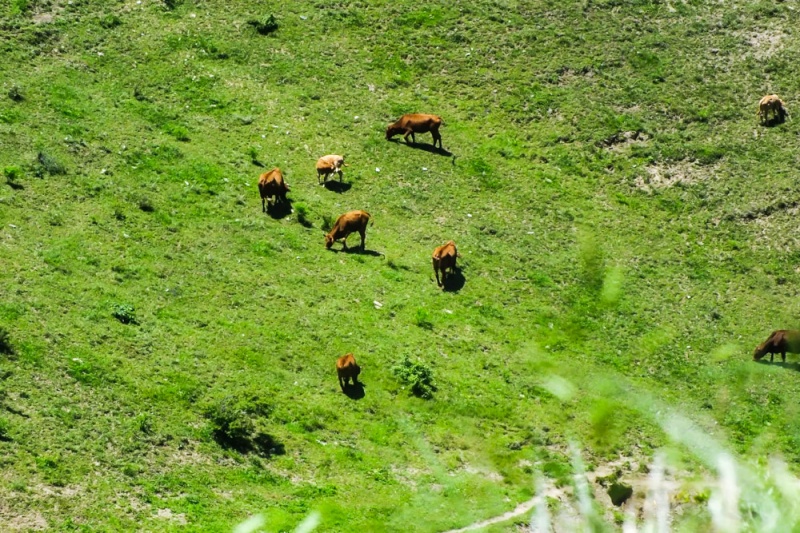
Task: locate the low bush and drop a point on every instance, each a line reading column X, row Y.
column 125, row 313
column 239, row 421
column 264, row 25
column 416, row 375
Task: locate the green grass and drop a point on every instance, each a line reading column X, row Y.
column 128, row 136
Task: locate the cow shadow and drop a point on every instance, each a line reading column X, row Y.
column 425, row 147
column 337, row 186
column 357, row 250
column 455, row 281
column 354, row 391
column 787, row 366
column 775, row 121
column 14, row 185
column 280, row 210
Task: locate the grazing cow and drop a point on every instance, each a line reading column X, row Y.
column 780, row 341
column 271, row 185
column 772, row 103
column 329, row 164
column 416, row 123
column 346, row 369
column 444, row 259
column 345, row 225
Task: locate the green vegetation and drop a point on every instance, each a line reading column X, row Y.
column 628, row 234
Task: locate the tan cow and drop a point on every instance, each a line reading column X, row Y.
column 346, row 369
column 444, row 259
column 780, row 341
column 272, row 185
column 771, row 103
column 416, row 123
column 346, row 224
column 329, row 164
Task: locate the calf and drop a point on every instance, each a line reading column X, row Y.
column 345, row 225
column 416, row 123
column 346, row 369
column 444, row 259
column 271, row 185
column 772, row 103
column 780, row 341
column 329, row 164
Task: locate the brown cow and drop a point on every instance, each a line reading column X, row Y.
column 329, row 164
column 780, row 341
column 772, row 103
column 346, row 369
column 345, row 225
column 416, row 123
column 271, row 185
column 444, row 259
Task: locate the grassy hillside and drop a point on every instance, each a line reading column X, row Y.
column 627, row 230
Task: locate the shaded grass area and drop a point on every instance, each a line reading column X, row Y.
column 131, row 156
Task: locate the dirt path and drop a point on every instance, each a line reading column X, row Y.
column 522, row 508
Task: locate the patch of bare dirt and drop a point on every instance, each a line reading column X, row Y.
column 623, row 140
column 33, row 521
column 662, row 176
column 766, row 43
column 167, row 514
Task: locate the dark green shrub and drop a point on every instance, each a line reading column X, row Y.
column 5, row 342
column 302, row 214
column 416, row 375
column 5, row 428
column 50, row 165
column 12, row 173
column 15, row 93
column 125, row 313
column 423, row 318
column 264, row 25
column 239, row 422
column 327, row 223
column 146, row 205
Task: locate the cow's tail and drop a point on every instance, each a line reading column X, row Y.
column 371, row 220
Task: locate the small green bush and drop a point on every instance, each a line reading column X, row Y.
column 125, row 313
column 5, row 428
column 5, row 342
column 423, row 318
column 238, row 421
column 327, row 223
column 50, row 165
column 15, row 93
column 146, row 205
column 302, row 214
column 12, row 173
column 417, row 375
column 264, row 25
column 178, row 131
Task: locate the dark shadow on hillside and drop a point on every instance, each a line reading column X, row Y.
column 14, row 185
column 261, row 444
column 425, row 147
column 354, row 391
column 337, row 186
column 787, row 366
column 455, row 281
column 280, row 209
column 775, row 121
column 257, row 163
column 357, row 250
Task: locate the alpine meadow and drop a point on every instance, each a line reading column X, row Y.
column 626, row 230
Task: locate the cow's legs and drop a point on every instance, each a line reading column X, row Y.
column 344, row 242
column 263, row 205
column 437, row 137
column 783, row 356
column 363, row 234
column 436, row 271
column 771, row 356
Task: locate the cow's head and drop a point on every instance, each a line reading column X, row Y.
column 760, row 351
column 391, row 131
column 328, row 240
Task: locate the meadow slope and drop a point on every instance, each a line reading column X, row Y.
column 628, row 234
